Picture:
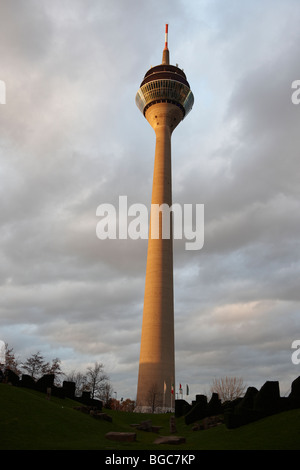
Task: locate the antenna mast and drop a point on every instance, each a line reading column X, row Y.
column 166, row 55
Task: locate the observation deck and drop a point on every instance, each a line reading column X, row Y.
column 165, row 84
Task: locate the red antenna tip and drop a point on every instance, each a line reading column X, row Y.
column 166, row 37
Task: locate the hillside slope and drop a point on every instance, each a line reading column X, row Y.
column 29, row 421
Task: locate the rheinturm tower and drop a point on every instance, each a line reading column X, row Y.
column 165, row 99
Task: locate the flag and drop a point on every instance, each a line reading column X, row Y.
column 187, row 389
column 165, row 387
column 179, row 386
column 172, row 389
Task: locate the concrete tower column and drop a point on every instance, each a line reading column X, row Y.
column 157, row 361
column 164, row 98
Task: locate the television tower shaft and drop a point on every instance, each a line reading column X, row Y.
column 164, row 98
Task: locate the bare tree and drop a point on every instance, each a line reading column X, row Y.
column 154, row 398
column 35, row 365
column 10, row 360
column 228, row 388
column 54, row 368
column 105, row 393
column 96, row 380
column 80, row 381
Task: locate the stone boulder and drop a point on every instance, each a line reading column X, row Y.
column 121, row 436
column 11, row 377
column 182, row 407
column 247, row 401
column 198, row 411
column 267, row 400
column 294, row 396
column 99, row 415
column 145, row 426
column 46, row 381
column 170, row 440
column 69, row 389
column 214, row 406
column 27, row 381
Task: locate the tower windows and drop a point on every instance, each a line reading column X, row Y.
column 165, row 90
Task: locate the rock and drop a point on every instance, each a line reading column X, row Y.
column 267, row 400
column 211, row 422
column 248, row 400
column 207, row 423
column 182, row 407
column 156, row 428
column 99, row 415
column 214, row 406
column 197, row 427
column 145, row 426
column 294, row 396
column 170, row 440
column 11, row 377
column 198, row 411
column 46, row 381
column 121, row 436
column 69, row 389
column 27, row 381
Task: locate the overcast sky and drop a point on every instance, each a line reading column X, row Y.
column 72, row 138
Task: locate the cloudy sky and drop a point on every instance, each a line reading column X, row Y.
column 72, row 138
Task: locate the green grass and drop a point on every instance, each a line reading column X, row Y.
column 29, row 421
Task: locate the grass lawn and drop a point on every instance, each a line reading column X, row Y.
column 29, row 421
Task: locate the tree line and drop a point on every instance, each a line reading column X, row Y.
column 97, row 382
column 94, row 379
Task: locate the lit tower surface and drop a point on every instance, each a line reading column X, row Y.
column 165, row 99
